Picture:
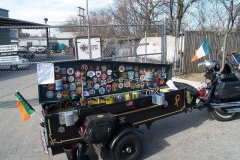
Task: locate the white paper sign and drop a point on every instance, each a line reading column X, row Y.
column 45, row 72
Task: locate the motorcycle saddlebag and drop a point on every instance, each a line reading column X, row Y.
column 97, row 128
column 227, row 90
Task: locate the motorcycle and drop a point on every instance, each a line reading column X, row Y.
column 221, row 95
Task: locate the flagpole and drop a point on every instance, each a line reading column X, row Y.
column 39, row 117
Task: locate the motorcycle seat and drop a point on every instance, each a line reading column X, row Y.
column 228, row 77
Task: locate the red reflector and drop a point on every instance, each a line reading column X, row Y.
column 202, row 92
column 82, row 129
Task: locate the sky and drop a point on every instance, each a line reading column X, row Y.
column 54, row 10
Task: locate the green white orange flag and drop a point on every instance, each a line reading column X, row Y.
column 25, row 108
column 202, row 51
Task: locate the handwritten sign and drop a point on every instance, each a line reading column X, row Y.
column 45, row 72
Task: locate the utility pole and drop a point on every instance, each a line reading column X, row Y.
column 81, row 18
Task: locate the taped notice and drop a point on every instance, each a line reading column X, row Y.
column 45, row 72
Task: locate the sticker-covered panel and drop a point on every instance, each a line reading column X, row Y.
column 74, row 79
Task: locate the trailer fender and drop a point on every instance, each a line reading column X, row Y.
column 121, row 133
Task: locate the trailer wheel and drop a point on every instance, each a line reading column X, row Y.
column 128, row 147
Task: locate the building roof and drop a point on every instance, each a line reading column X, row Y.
column 4, row 21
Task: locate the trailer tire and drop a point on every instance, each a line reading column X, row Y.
column 128, row 147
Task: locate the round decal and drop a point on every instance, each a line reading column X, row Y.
column 142, row 77
column 104, row 76
column 120, row 85
column 120, row 79
column 142, row 71
column 133, row 85
column 109, row 72
column 92, row 91
column 57, row 75
column 77, row 74
column 96, row 86
column 162, row 81
column 50, row 94
column 121, row 68
column 50, row 86
column 70, row 78
column 138, row 86
column 56, row 69
column 136, row 69
column 79, row 90
column 70, row 71
column 101, row 90
column 84, row 67
column 86, row 93
column 58, row 95
column 63, row 70
column 65, row 94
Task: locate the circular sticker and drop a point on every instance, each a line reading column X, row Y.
column 135, row 68
column 50, row 86
column 120, row 79
column 58, row 95
column 84, row 67
column 86, row 93
column 162, row 81
column 101, row 90
column 70, row 71
column 121, row 68
column 142, row 77
column 133, row 86
column 138, row 85
column 50, row 94
column 96, row 86
column 77, row 74
column 120, row 85
column 92, row 91
column 142, row 71
column 79, row 90
column 70, row 78
column 109, row 72
column 57, row 75
column 104, row 76
column 56, row 69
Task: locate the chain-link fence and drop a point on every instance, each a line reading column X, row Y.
column 36, row 44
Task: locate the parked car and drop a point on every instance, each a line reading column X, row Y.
column 38, row 50
column 13, row 62
column 41, row 50
column 26, row 54
column 33, row 49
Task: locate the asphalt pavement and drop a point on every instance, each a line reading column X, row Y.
column 186, row 136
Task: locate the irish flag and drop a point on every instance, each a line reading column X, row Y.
column 202, row 51
column 25, row 108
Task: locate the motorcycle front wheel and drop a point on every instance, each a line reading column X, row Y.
column 220, row 114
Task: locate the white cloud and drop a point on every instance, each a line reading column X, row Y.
column 54, row 10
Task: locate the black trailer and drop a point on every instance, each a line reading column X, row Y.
column 103, row 105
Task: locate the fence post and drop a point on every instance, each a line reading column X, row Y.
column 163, row 48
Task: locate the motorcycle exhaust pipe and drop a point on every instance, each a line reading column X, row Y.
column 225, row 104
column 233, row 110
